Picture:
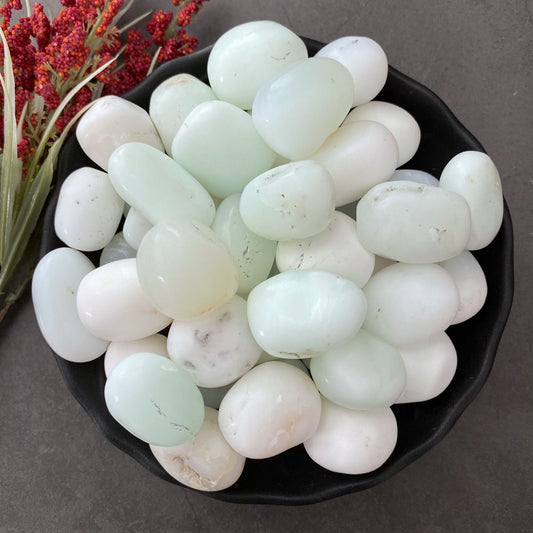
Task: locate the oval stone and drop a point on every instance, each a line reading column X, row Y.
column 253, row 254
column 173, row 100
column 272, row 408
column 358, row 156
column 475, row 177
column 157, row 186
column 337, row 249
column 54, row 288
column 117, row 249
column 154, row 400
column 398, row 121
column 135, row 228
column 364, row 373
column 88, row 210
column 296, row 111
column 111, row 122
column 350, row 441
column 412, row 222
column 410, row 303
column 112, row 305
column 219, row 145
column 418, row 176
column 303, row 313
column 217, row 347
column 365, row 60
column 185, row 270
column 248, row 55
column 293, row 201
column 206, row 462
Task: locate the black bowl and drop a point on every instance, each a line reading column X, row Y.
column 292, row 477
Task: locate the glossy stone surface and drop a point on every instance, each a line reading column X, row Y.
column 154, row 400
column 88, row 210
column 159, row 188
column 111, row 122
column 112, row 305
column 248, row 55
column 54, row 289
column 117, row 249
column 413, row 223
column 185, row 270
column 296, row 111
column 302, row 313
column 272, row 408
column 219, row 145
column 293, row 201
column 135, row 228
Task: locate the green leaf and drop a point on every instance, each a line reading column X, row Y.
column 11, row 169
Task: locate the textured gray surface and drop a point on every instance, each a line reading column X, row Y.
column 58, row 474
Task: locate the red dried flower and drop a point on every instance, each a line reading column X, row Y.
column 157, row 26
column 41, row 28
column 110, row 12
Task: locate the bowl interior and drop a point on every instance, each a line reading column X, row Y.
column 292, row 477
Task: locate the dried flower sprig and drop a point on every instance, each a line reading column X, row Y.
column 51, row 71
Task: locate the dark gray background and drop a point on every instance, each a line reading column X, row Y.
column 58, row 474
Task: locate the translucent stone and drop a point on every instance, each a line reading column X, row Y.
column 159, row 188
column 254, row 255
column 430, row 366
column 296, row 111
column 248, row 55
column 206, row 462
column 88, row 210
column 217, row 347
column 173, row 100
column 474, row 176
column 471, row 283
column 135, row 228
column 358, row 156
column 302, row 313
column 413, row 223
column 365, row 60
column 185, row 270
column 294, row 201
column 398, row 121
column 117, row 351
column 112, row 305
column 117, row 249
column 54, row 288
column 297, row 363
column 111, row 122
column 364, row 373
column 350, row 441
column 154, row 400
column 219, row 145
column 418, row 176
column 410, row 303
column 272, row 408
column 337, row 249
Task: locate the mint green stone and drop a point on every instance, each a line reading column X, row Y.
column 253, row 254
column 219, row 145
column 364, row 373
column 157, row 186
column 154, row 399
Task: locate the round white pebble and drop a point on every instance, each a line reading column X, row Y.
column 272, row 408
column 350, row 441
column 206, row 462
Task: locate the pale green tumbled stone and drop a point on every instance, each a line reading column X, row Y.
column 173, row 100
column 117, row 249
column 157, row 186
column 185, row 270
column 303, row 313
column 364, row 373
column 219, row 145
column 299, row 109
column 253, row 254
column 154, row 399
column 293, row 201
column 249, row 55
